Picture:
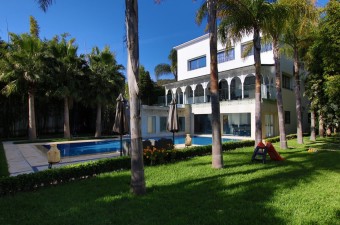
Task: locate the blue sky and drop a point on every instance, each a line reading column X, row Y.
column 102, row 22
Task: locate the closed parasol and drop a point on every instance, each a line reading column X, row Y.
column 172, row 123
column 121, row 125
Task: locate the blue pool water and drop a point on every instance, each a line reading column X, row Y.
column 95, row 147
column 197, row 140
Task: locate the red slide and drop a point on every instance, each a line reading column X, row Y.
column 274, row 155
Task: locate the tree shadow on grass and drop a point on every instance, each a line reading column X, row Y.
column 241, row 193
column 218, row 199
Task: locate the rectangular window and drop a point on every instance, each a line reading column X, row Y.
column 237, row 124
column 286, row 81
column 287, row 117
column 197, row 63
column 247, row 47
column 265, row 47
column 225, row 56
column 151, row 124
column 162, row 123
column 181, row 121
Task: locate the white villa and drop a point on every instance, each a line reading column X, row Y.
column 237, row 92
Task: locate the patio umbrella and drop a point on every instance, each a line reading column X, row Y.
column 120, row 126
column 172, row 123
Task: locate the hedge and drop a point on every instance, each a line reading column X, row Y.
column 34, row 181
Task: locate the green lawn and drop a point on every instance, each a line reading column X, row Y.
column 303, row 189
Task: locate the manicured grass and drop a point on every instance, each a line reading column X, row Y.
column 303, row 189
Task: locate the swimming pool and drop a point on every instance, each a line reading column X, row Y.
column 110, row 146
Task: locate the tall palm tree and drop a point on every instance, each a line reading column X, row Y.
column 274, row 28
column 23, row 67
column 302, row 19
column 210, row 7
column 131, row 22
column 67, row 66
column 106, row 80
column 163, row 68
column 137, row 167
column 240, row 17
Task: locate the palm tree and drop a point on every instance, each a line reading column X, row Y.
column 23, row 67
column 106, row 80
column 211, row 8
column 301, row 21
column 163, row 68
column 67, row 66
column 137, row 167
column 246, row 17
column 274, row 28
column 131, row 22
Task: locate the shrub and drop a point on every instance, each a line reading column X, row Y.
column 153, row 156
column 33, row 181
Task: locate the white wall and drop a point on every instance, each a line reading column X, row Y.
column 200, row 47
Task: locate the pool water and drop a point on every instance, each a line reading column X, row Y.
column 85, row 148
column 197, row 140
column 110, row 146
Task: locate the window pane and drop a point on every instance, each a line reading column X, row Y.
column 237, row 124
column 266, row 47
column 226, row 56
column 151, row 124
column 197, row 63
column 181, row 121
column 286, row 81
column 245, row 47
column 287, row 117
column 162, row 124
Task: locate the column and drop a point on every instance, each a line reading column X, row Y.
column 173, row 90
column 183, row 90
column 204, row 85
column 229, row 83
column 166, row 97
column 242, row 78
column 193, row 87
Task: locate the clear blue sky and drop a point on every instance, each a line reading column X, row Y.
column 102, row 22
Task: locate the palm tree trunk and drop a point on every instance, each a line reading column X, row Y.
column 298, row 97
column 32, row 134
column 312, row 126
column 257, row 59
column 321, row 126
column 67, row 133
column 137, row 167
column 217, row 158
column 99, row 121
column 279, row 101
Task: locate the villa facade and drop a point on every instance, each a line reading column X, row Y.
column 236, row 91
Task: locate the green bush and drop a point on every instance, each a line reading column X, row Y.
column 33, row 181
column 154, row 156
column 277, row 139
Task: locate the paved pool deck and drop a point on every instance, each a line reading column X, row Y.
column 28, row 158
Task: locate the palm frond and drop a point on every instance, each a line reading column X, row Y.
column 44, row 4
column 162, row 69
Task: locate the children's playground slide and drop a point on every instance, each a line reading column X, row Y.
column 274, row 155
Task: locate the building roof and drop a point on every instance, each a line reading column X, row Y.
column 193, row 41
